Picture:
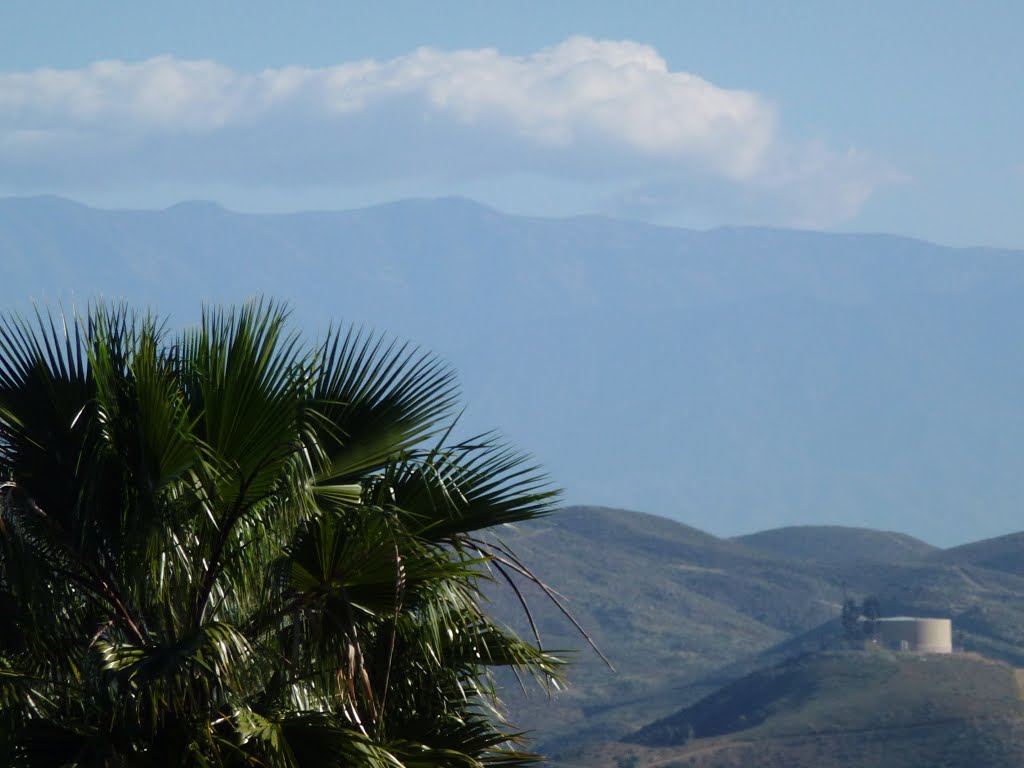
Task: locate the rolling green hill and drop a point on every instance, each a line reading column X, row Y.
column 852, row 708
column 681, row 613
column 844, row 691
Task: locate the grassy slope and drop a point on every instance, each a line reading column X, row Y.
column 994, row 742
column 667, row 604
column 1003, row 553
column 635, row 603
column 842, row 709
column 847, row 691
column 680, row 613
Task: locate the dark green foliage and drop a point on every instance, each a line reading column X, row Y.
column 232, row 547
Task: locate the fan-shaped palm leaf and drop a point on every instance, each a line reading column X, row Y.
column 232, row 548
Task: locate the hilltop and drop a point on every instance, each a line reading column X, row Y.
column 1002, row 553
column 838, row 544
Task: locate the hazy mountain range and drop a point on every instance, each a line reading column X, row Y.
column 735, row 379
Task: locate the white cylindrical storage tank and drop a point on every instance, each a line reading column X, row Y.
column 908, row 633
column 935, row 635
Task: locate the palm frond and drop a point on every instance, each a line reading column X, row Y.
column 230, row 548
column 374, row 400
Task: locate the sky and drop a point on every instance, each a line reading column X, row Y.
column 900, row 117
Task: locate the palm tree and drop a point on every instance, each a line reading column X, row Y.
column 234, row 547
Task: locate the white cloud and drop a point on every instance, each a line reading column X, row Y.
column 585, row 109
column 803, row 186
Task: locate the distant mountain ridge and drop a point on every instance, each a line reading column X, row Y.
column 738, row 379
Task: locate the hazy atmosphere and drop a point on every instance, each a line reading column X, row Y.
column 701, row 115
column 896, row 118
column 354, row 356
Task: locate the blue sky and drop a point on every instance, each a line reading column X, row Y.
column 898, row 117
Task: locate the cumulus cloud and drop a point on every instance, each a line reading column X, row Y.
column 802, row 186
column 585, row 109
